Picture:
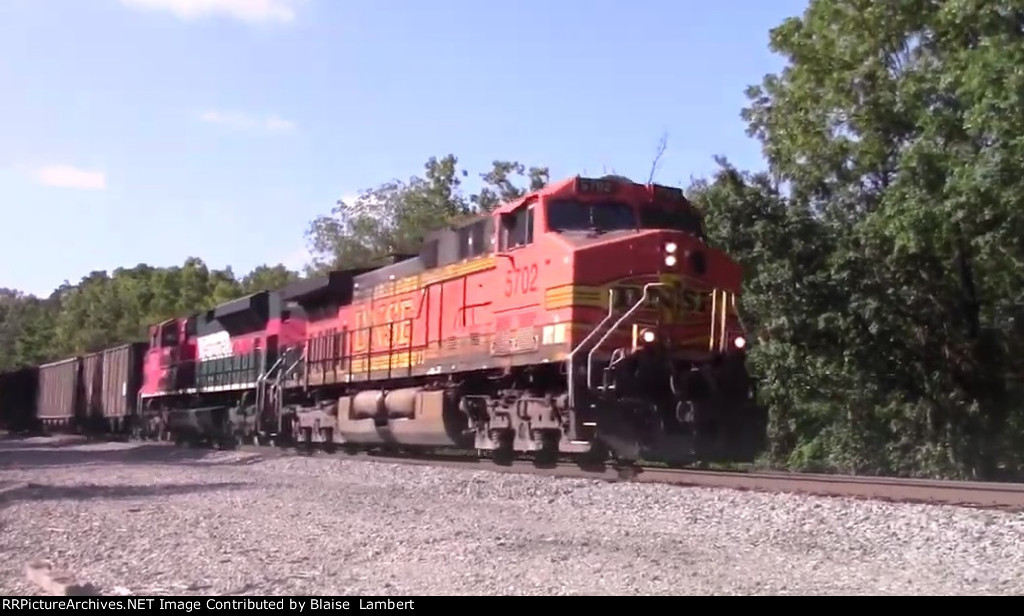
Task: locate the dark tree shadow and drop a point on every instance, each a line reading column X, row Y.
column 41, row 492
column 24, row 456
column 18, row 441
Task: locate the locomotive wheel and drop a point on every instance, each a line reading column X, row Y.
column 595, row 460
column 504, row 453
column 546, row 458
column 503, row 456
column 327, row 444
column 547, row 455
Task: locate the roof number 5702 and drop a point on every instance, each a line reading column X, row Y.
column 521, row 280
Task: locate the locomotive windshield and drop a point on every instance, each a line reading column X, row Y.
column 671, row 218
column 603, row 216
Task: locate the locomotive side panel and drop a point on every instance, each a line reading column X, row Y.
column 319, row 304
column 438, row 321
column 234, row 346
column 215, row 365
column 407, row 328
column 477, row 321
column 290, row 333
column 324, row 351
column 169, row 364
column 453, row 340
column 533, row 267
column 387, row 333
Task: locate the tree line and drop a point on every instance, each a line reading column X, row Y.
column 883, row 243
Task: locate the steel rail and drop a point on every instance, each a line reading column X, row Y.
column 977, row 494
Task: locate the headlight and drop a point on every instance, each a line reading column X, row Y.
column 670, row 260
column 671, row 247
column 648, row 336
column 740, row 342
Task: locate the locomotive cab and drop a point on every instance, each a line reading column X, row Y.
column 169, row 357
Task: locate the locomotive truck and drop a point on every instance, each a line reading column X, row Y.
column 589, row 319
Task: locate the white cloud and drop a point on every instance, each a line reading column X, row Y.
column 243, row 120
column 251, row 11
column 276, row 123
column 66, row 176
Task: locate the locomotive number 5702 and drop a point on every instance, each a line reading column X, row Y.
column 520, row 280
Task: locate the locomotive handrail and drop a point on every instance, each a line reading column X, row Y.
column 260, row 380
column 265, row 375
column 636, row 306
column 719, row 318
column 391, row 347
column 292, row 367
column 348, row 354
column 723, row 336
column 572, row 353
column 714, row 319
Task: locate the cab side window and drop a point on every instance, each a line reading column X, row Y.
column 473, row 240
column 169, row 335
column 517, row 228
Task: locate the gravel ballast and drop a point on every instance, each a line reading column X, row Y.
column 150, row 519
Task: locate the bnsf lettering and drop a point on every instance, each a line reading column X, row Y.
column 674, row 301
column 521, row 280
column 670, row 301
column 384, row 337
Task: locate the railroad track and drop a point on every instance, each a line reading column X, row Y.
column 1007, row 497
column 984, row 495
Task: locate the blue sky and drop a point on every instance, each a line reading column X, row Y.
column 151, row 130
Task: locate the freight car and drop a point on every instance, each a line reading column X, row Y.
column 59, row 395
column 18, row 392
column 590, row 318
column 111, row 379
column 96, row 393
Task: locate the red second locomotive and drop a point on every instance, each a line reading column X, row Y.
column 590, row 317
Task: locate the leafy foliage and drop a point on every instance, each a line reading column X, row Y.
column 103, row 309
column 890, row 300
column 393, row 217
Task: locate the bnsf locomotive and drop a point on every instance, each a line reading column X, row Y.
column 590, row 318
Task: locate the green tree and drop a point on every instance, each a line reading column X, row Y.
column 897, row 125
column 265, row 277
column 106, row 309
column 394, row 217
column 499, row 188
column 26, row 332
